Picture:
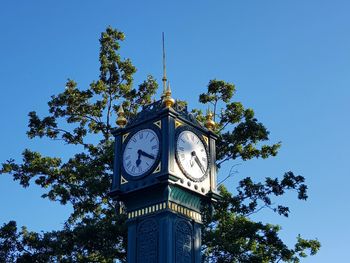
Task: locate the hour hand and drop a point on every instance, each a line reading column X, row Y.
column 198, row 161
column 138, row 161
column 145, row 154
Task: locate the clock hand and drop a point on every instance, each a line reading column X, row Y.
column 146, row 154
column 138, row 161
column 198, row 161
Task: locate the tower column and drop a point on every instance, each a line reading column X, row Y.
column 164, row 237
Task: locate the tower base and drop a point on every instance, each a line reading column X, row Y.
column 165, row 237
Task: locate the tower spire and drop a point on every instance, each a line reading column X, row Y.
column 164, row 79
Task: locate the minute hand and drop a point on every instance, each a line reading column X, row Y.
column 146, row 154
column 198, row 161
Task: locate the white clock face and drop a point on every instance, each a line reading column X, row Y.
column 141, row 152
column 191, row 155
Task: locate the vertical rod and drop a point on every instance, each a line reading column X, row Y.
column 164, row 67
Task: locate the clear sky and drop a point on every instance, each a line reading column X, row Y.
column 290, row 62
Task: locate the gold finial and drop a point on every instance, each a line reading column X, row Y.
column 209, row 123
column 167, row 99
column 164, row 79
column 121, row 120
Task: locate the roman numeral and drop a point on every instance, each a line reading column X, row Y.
column 154, row 147
column 128, row 164
column 181, row 149
column 141, row 135
column 152, row 139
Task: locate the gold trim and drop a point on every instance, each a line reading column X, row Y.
column 165, row 205
column 206, row 139
column 123, row 180
column 177, row 124
column 158, row 123
column 125, row 135
column 157, row 170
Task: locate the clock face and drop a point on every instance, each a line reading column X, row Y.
column 192, row 155
column 141, row 152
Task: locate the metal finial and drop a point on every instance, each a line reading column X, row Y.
column 167, row 99
column 164, row 79
column 209, row 123
column 121, row 120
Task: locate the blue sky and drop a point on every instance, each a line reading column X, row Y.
column 289, row 60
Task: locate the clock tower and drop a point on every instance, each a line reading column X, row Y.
column 164, row 171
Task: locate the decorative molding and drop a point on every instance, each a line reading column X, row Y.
column 123, row 180
column 206, row 139
column 152, row 109
column 147, row 241
column 158, row 124
column 148, row 110
column 181, row 196
column 162, row 206
column 178, row 123
column 125, row 135
column 157, row 170
column 183, row 242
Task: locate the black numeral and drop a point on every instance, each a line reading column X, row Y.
column 141, row 135
column 128, row 164
column 181, row 148
column 154, row 147
column 133, row 168
column 152, row 139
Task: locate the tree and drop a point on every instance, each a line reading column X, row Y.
column 94, row 232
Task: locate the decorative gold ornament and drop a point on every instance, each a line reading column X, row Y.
column 158, row 124
column 121, row 120
column 123, row 180
column 209, row 123
column 168, row 101
column 177, row 123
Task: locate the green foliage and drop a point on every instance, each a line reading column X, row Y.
column 241, row 135
column 230, row 236
column 94, row 232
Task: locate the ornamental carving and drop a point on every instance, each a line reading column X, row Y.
column 155, row 107
column 183, row 242
column 147, row 241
